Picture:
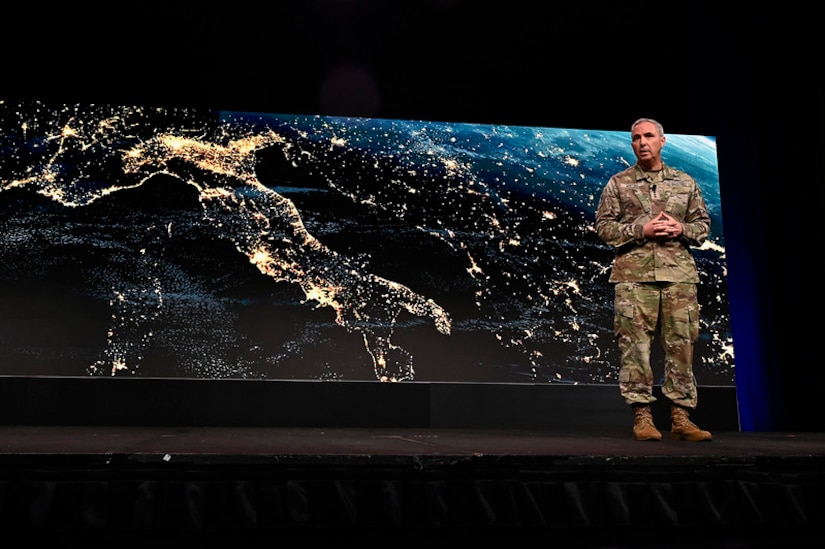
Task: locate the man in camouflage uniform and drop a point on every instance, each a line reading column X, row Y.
column 651, row 214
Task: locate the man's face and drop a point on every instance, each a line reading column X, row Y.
column 647, row 143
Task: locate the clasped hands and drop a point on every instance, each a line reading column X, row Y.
column 662, row 227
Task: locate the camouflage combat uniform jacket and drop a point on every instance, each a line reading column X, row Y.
column 628, row 201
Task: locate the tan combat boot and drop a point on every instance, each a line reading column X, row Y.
column 683, row 428
column 643, row 427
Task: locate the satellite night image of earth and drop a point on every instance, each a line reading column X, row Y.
column 162, row 242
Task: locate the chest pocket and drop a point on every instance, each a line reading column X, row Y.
column 677, row 197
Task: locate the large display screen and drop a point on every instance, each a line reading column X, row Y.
column 163, row 242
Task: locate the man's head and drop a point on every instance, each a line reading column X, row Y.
column 648, row 138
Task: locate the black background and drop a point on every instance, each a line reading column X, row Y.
column 751, row 77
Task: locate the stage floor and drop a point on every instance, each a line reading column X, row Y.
column 225, row 444
column 112, row 484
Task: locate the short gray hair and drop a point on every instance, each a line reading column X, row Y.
column 654, row 122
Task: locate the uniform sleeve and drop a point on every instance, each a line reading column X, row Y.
column 697, row 219
column 610, row 226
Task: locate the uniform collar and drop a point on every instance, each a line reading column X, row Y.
column 640, row 173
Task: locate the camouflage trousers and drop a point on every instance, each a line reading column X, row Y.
column 643, row 311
